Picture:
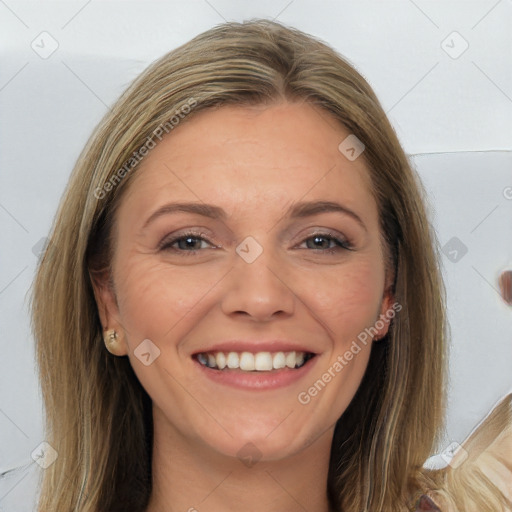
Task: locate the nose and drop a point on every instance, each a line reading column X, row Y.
column 259, row 291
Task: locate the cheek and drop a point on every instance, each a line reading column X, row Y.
column 348, row 300
column 154, row 297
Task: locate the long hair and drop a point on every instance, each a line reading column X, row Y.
column 98, row 416
column 479, row 476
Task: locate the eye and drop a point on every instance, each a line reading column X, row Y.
column 326, row 242
column 188, row 242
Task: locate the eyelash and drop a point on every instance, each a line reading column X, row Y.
column 341, row 244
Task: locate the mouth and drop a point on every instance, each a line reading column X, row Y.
column 253, row 363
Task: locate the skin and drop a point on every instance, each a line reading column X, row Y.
column 254, row 163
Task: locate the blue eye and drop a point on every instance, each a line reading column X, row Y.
column 326, row 242
column 189, row 242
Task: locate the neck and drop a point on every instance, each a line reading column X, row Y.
column 188, row 476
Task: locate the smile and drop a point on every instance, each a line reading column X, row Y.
column 253, row 362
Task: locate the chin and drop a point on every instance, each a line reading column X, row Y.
column 262, row 438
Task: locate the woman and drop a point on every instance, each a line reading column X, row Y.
column 244, row 234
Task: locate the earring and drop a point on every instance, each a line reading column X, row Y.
column 110, row 339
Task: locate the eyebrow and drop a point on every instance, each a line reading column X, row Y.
column 297, row 210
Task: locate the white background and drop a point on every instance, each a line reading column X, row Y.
column 453, row 114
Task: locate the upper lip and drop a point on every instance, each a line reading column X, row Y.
column 256, row 346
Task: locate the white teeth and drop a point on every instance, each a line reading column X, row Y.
column 290, row 360
column 279, row 360
column 220, row 359
column 249, row 362
column 263, row 361
column 233, row 361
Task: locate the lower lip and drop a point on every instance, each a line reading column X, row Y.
column 258, row 381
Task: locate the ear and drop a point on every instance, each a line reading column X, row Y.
column 108, row 309
column 388, row 309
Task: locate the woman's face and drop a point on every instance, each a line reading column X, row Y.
column 247, row 238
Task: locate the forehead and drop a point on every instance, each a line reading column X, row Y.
column 283, row 152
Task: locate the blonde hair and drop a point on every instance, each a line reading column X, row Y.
column 479, row 476
column 98, row 416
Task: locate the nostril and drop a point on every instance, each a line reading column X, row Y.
column 505, row 282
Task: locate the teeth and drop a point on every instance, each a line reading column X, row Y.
column 279, row 360
column 233, row 361
column 220, row 359
column 202, row 359
column 263, row 361
column 248, row 362
column 290, row 360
